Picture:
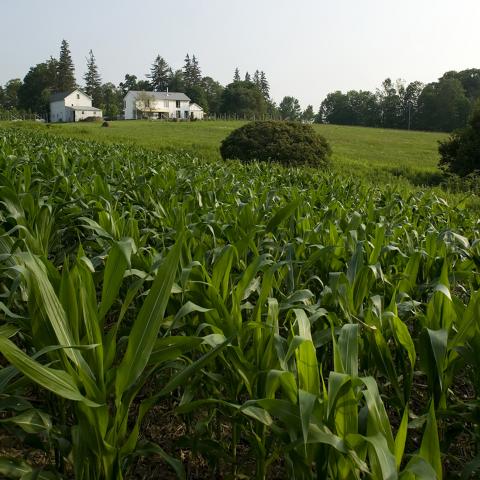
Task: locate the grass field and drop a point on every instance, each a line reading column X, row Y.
column 377, row 154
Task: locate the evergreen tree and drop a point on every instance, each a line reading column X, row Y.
column 236, row 76
column 264, row 86
column 177, row 82
column 187, row 71
column 196, row 73
column 93, row 82
column 160, row 74
column 65, row 69
column 256, row 79
column 248, row 78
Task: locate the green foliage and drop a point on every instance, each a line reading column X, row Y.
column 93, row 81
column 243, row 98
column 39, row 83
column 289, row 109
column 285, row 315
column 65, row 69
column 160, row 74
column 460, row 154
column 286, row 143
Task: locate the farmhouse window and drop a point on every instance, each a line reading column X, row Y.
column 178, row 103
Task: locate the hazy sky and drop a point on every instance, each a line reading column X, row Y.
column 307, row 48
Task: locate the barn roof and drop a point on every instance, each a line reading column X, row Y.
column 57, row 96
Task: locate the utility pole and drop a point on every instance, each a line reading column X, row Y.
column 409, row 114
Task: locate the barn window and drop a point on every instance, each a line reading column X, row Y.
column 78, row 96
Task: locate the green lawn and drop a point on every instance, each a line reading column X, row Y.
column 376, row 154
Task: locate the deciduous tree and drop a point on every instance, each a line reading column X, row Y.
column 290, row 109
column 243, row 99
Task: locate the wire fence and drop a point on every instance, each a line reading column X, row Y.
column 243, row 117
column 17, row 116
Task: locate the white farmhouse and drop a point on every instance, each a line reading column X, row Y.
column 160, row 105
column 72, row 107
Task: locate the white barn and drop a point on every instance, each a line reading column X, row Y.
column 196, row 112
column 160, row 105
column 72, row 107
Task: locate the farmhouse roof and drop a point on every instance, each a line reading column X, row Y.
column 57, row 96
column 164, row 95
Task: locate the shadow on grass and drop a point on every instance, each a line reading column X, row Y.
column 417, row 177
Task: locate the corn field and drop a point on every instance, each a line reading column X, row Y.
column 290, row 323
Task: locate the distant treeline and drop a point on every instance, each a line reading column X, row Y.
column 444, row 105
column 441, row 106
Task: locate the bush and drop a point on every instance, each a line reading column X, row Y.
column 91, row 119
column 460, row 154
column 287, row 143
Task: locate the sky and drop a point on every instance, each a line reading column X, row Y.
column 307, row 48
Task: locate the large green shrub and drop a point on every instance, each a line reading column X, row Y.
column 460, row 154
column 287, row 143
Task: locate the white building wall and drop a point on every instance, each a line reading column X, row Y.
column 78, row 99
column 82, row 114
column 168, row 106
column 196, row 111
column 129, row 106
column 60, row 113
column 57, row 112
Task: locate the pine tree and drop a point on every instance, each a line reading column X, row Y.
column 66, row 70
column 160, row 74
column 93, row 82
column 236, row 76
column 247, row 77
column 264, row 86
column 196, row 72
column 256, row 79
column 187, row 71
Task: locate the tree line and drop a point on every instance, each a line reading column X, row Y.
column 443, row 105
column 243, row 97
